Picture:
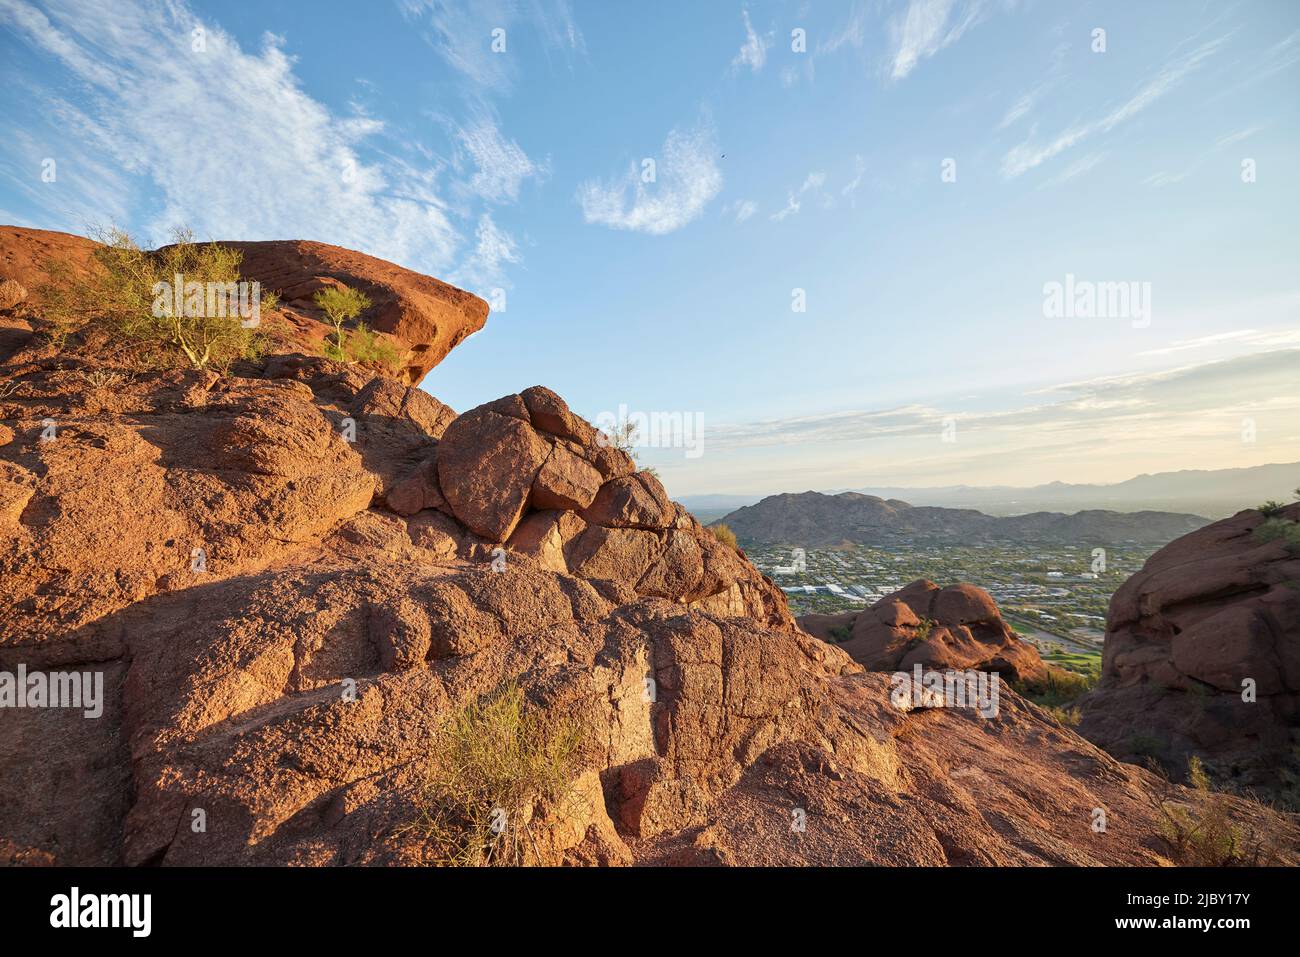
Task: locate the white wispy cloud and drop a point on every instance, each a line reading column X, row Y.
column 1076, row 169
column 859, row 168
column 1266, row 338
column 741, row 209
column 687, row 178
column 153, row 106
column 812, row 183
column 462, row 33
column 501, row 165
column 1043, row 85
column 493, row 249
column 853, row 33
column 1236, row 137
column 753, row 52
column 926, row 27
column 1028, row 155
column 1171, row 177
column 1020, row 108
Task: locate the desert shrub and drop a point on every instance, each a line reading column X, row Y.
column 923, row 630
column 493, row 762
column 1275, row 529
column 1070, row 717
column 364, row 345
column 117, row 308
column 840, row 633
column 1270, row 509
column 1199, row 833
column 1146, row 745
column 724, row 534
column 1057, row 689
column 622, row 436
column 340, row 304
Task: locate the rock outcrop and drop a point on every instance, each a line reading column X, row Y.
column 290, row 579
column 426, row 317
column 1202, row 657
column 953, row 628
column 421, row 317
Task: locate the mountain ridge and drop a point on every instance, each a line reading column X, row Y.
column 1216, row 493
column 814, row 518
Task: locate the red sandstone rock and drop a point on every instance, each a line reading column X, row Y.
column 1206, row 613
column 958, row 627
column 427, row 318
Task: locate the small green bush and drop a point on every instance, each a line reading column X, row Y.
column 1146, row 745
column 340, row 304
column 492, row 765
column 1070, row 717
column 1275, row 529
column 1270, row 509
column 1058, row 689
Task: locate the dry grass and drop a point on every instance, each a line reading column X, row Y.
column 723, row 534
column 494, row 763
column 1200, row 833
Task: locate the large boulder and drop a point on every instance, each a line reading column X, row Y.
column 954, row 628
column 1202, row 657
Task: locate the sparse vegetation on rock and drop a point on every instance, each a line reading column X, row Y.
column 724, row 534
column 341, row 304
column 117, row 309
column 1057, row 689
column 496, row 762
column 1198, row 829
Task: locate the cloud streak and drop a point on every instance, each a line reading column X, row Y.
column 926, row 27
column 753, row 52
column 1029, row 155
column 687, row 178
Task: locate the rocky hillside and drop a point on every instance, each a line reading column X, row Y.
column 1202, row 657
column 811, row 518
column 312, row 591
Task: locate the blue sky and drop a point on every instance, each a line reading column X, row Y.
column 397, row 130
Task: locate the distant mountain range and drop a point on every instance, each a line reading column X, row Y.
column 1216, row 493
column 811, row 518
